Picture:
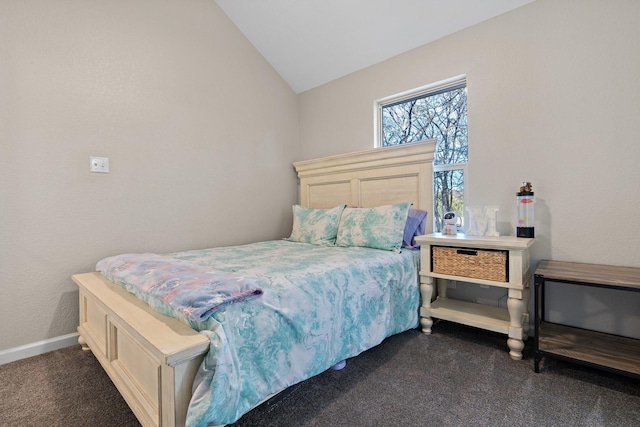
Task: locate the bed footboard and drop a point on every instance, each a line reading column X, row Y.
column 151, row 358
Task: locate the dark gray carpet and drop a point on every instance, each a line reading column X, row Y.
column 62, row 388
column 458, row 376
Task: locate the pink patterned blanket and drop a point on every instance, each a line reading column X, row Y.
column 193, row 290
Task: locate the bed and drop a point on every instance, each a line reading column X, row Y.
column 155, row 359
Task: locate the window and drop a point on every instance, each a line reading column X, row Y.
column 436, row 111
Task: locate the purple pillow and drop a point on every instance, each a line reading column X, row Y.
column 416, row 221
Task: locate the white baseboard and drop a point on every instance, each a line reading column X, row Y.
column 36, row 348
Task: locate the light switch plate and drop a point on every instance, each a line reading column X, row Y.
column 99, row 164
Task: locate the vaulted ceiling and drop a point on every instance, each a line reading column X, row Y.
column 311, row 42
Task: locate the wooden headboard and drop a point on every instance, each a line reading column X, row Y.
column 380, row 176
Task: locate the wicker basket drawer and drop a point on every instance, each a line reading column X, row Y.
column 474, row 263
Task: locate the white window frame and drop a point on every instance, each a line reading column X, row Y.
column 419, row 92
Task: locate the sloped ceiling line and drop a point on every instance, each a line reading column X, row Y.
column 312, row 42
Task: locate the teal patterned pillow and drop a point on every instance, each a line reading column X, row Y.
column 317, row 226
column 380, row 228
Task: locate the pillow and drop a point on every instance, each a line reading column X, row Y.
column 379, row 228
column 416, row 221
column 317, row 226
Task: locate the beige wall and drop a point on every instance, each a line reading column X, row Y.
column 200, row 131
column 553, row 98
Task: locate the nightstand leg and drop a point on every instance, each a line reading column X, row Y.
column 426, row 292
column 516, row 309
column 442, row 285
column 526, row 296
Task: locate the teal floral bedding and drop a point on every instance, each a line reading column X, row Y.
column 319, row 305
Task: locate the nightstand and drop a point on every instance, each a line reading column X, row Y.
column 492, row 261
column 592, row 348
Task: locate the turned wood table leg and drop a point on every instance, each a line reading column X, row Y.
column 516, row 309
column 442, row 284
column 526, row 296
column 515, row 346
column 426, row 291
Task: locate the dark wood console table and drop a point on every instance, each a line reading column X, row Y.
column 611, row 352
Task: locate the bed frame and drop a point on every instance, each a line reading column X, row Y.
column 152, row 359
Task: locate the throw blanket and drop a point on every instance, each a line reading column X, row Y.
column 192, row 290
